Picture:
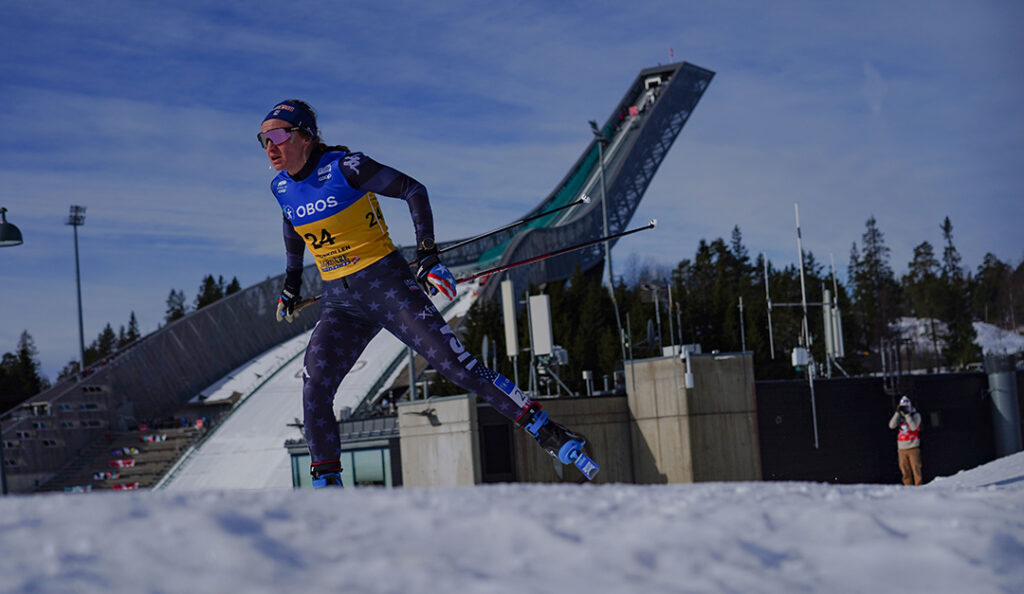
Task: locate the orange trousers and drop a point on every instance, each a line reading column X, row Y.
column 910, row 466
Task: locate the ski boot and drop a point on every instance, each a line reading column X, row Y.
column 558, row 440
column 326, row 474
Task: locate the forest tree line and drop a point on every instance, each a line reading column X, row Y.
column 706, row 291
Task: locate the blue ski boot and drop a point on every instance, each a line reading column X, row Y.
column 326, row 474
column 558, row 440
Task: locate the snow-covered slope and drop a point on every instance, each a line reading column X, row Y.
column 991, row 339
column 959, row 534
column 246, row 451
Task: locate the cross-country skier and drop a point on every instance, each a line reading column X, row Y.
column 329, row 198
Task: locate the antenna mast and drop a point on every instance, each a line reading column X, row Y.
column 807, row 334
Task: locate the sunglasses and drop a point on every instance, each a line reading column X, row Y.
column 277, row 136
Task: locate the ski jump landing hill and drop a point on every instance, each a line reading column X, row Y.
column 210, row 353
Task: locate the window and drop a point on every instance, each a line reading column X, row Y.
column 67, row 424
column 360, row 468
column 38, row 409
column 50, row 443
column 370, row 467
column 88, row 406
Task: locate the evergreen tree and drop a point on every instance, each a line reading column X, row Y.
column 175, row 306
column 104, row 346
column 700, row 317
column 960, row 346
column 233, row 287
column 923, row 291
column 69, row 370
column 20, row 375
column 588, row 330
column 737, row 249
column 990, row 291
column 875, row 291
column 12, row 390
column 209, row 291
column 126, row 337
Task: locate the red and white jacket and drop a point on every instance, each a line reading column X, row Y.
column 910, row 429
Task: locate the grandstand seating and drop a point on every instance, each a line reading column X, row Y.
column 152, row 460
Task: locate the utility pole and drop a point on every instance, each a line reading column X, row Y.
column 743, row 333
column 806, row 330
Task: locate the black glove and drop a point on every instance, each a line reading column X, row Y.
column 434, row 276
column 289, row 296
column 426, row 259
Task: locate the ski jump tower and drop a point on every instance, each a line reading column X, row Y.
column 638, row 134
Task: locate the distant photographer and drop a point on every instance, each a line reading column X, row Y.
column 908, row 443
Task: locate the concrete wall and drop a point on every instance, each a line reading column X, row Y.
column 660, row 433
column 707, row 433
column 603, row 420
column 440, row 442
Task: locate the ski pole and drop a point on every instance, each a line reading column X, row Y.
column 650, row 225
column 581, row 200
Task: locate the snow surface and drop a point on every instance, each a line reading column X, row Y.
column 963, row 533
column 991, row 338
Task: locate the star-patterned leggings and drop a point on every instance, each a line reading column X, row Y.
column 354, row 309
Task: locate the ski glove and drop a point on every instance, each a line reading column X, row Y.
column 289, row 296
column 433, row 276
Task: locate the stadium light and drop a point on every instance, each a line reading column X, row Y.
column 9, row 234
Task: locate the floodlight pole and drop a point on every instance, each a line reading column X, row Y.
column 76, row 218
column 601, row 141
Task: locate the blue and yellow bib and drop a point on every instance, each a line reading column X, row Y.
column 343, row 227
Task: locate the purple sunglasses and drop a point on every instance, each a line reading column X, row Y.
column 277, row 135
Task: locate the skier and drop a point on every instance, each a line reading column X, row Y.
column 908, row 441
column 328, row 195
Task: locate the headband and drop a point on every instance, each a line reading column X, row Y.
column 296, row 115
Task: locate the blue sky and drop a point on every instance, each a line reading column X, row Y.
column 146, row 113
